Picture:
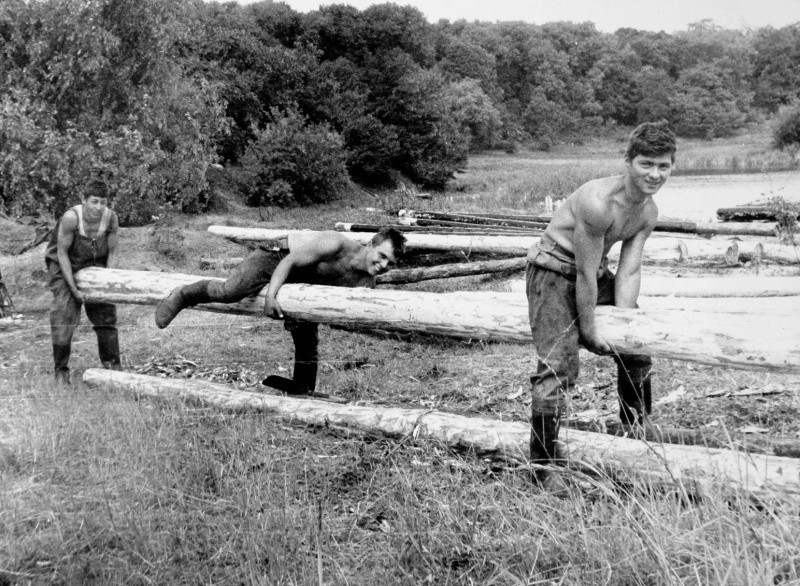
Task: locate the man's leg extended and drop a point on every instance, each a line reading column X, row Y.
column 553, row 323
column 247, row 279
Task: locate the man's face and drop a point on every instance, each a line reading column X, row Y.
column 648, row 174
column 380, row 257
column 94, row 206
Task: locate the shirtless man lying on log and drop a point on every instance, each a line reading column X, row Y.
column 319, row 258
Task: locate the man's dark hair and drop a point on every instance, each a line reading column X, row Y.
column 651, row 139
column 97, row 188
column 393, row 234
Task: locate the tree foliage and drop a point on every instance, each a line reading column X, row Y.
column 147, row 93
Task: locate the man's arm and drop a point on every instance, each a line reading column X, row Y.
column 325, row 246
column 591, row 223
column 629, row 271
column 113, row 240
column 66, row 233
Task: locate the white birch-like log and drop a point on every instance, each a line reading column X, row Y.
column 786, row 306
column 718, row 287
column 760, row 342
column 693, row 468
column 656, row 249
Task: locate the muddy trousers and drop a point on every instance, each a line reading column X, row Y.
column 252, row 275
column 554, row 324
column 65, row 316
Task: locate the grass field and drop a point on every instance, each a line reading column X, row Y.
column 99, row 488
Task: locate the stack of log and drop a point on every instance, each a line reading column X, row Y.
column 540, row 222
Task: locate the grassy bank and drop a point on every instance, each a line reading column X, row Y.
column 97, row 487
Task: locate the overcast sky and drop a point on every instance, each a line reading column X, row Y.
column 607, row 15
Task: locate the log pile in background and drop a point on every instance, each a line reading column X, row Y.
column 656, row 249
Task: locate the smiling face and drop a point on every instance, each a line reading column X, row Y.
column 380, row 257
column 94, row 206
column 648, row 173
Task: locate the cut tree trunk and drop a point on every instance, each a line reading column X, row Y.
column 656, row 249
column 760, row 342
column 693, row 468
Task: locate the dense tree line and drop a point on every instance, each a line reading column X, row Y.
column 148, row 93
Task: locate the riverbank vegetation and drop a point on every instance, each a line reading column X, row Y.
column 148, row 94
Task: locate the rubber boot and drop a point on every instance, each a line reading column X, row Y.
column 61, row 354
column 544, row 434
column 634, row 387
column 108, row 347
column 179, row 299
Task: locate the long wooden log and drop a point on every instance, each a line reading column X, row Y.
column 787, row 306
column 656, row 249
column 703, row 228
column 716, row 287
column 760, row 342
column 691, row 467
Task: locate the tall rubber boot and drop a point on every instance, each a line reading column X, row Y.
column 544, row 433
column 634, row 386
column 306, row 356
column 179, row 299
column 108, row 347
column 61, row 354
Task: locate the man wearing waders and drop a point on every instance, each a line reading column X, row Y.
column 86, row 236
column 567, row 276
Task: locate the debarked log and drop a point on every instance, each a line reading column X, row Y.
column 656, row 249
column 695, row 469
column 713, row 287
column 762, row 342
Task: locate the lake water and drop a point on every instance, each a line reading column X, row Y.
column 697, row 198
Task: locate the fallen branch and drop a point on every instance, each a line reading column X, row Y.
column 692, row 468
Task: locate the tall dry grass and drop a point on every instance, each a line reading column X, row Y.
column 98, row 487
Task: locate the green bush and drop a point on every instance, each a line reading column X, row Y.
column 292, row 162
column 786, row 130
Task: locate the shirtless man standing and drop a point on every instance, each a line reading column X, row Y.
column 319, row 258
column 567, row 277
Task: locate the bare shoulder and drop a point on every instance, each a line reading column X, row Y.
column 594, row 199
column 69, row 221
